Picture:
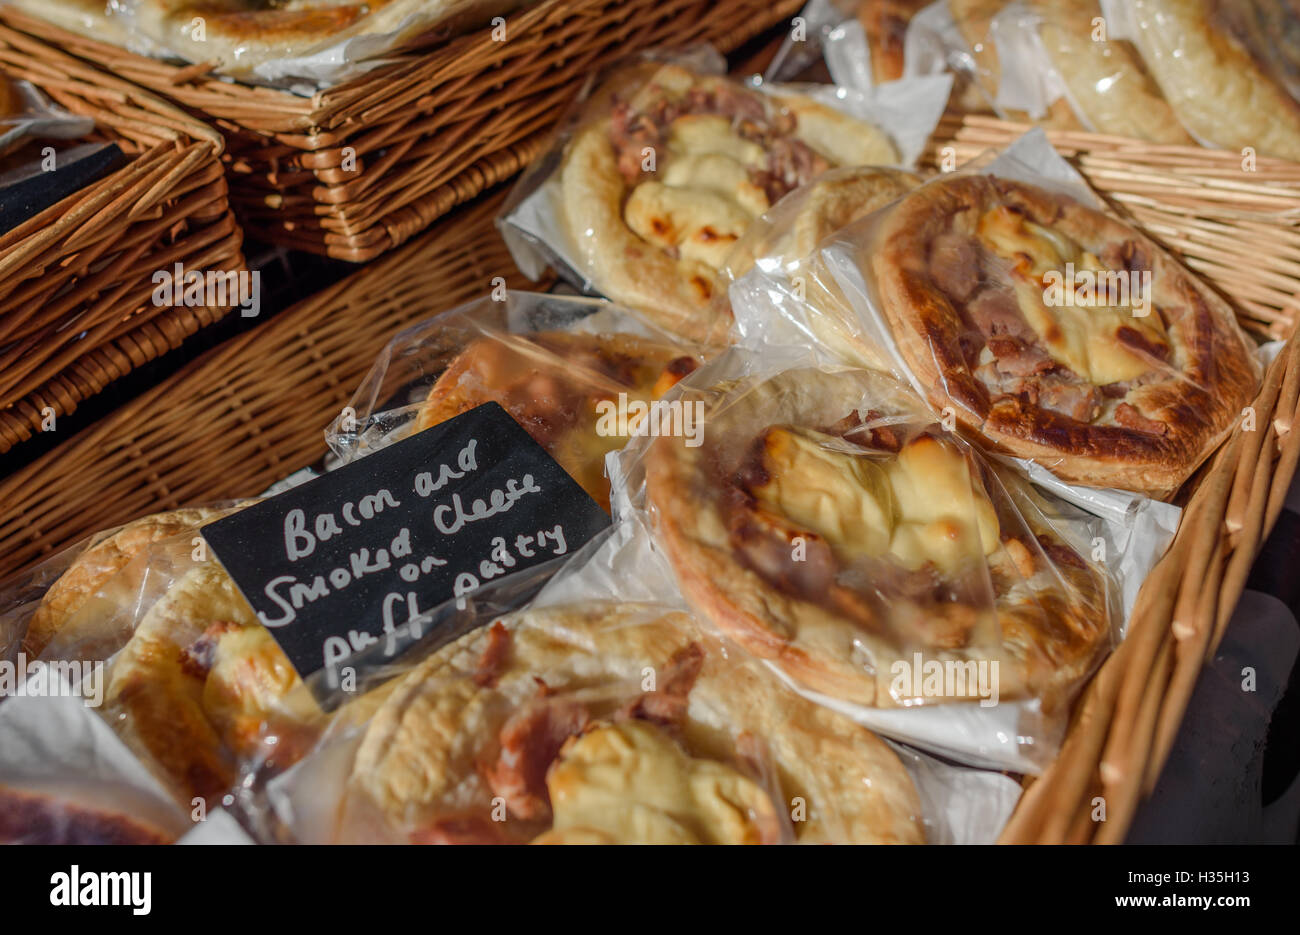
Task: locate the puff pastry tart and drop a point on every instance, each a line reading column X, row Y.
column 1058, row 333
column 615, row 723
column 825, row 524
column 553, row 383
column 1225, row 66
column 667, row 168
column 194, row 682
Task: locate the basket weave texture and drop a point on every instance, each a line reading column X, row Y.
column 360, row 167
column 252, row 410
column 76, row 309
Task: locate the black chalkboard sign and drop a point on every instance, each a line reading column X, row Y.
column 333, row 565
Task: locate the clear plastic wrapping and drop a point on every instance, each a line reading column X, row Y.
column 1228, row 69
column 1164, row 71
column 830, row 525
column 664, row 162
column 26, row 113
column 1022, row 313
column 301, row 50
column 155, row 641
column 170, row 654
column 578, row 374
column 605, row 712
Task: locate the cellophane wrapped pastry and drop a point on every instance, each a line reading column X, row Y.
column 661, row 168
column 577, row 374
column 192, row 683
column 1043, row 326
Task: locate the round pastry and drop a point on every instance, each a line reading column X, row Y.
column 198, row 683
column 96, row 566
column 1058, row 333
column 827, row 525
column 1107, row 81
column 616, row 724
column 558, row 385
column 667, row 168
column 1215, row 75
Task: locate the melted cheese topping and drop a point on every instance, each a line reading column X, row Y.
column 921, row 507
column 1083, row 337
column 702, row 199
column 630, row 783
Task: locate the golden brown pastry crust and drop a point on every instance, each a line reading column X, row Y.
column 1106, row 79
column 685, row 293
column 418, row 758
column 814, row 614
column 1215, row 84
column 97, row 565
column 551, row 383
column 1198, row 399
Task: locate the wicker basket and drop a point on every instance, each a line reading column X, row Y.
column 90, row 257
column 230, row 424
column 253, row 409
column 361, row 167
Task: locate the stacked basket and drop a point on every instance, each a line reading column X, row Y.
column 360, row 167
column 90, row 258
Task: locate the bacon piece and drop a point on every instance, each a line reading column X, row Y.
column 994, row 311
column 1079, row 401
column 666, row 705
column 853, row 427
column 1129, row 255
column 790, row 163
column 1128, row 416
column 198, row 658
column 954, row 265
column 493, row 657
column 1060, row 553
column 530, row 741
column 1017, row 358
column 630, row 133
